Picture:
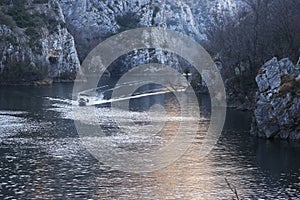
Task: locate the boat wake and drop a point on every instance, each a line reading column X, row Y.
column 98, row 96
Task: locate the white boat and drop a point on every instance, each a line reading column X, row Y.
column 96, row 96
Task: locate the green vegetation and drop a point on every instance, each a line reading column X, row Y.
column 253, row 36
column 9, row 38
column 128, row 21
column 6, row 20
column 23, row 71
column 31, row 17
column 5, row 2
column 26, row 19
column 32, row 32
column 289, row 84
column 18, row 12
column 155, row 11
column 40, row 1
column 197, row 81
column 246, row 83
column 24, row 14
column 34, row 38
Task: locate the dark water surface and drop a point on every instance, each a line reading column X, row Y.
column 41, row 157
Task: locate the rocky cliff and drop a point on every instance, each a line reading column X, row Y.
column 37, row 35
column 92, row 21
column 35, row 43
column 277, row 113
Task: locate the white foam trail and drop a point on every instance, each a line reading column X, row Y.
column 103, row 101
column 67, row 101
column 113, row 88
column 8, row 112
column 98, row 100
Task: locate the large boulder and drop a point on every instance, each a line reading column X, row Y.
column 277, row 112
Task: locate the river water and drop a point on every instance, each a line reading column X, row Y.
column 41, row 157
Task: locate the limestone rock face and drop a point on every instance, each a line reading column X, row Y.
column 59, row 49
column 92, row 21
column 40, row 48
column 37, row 36
column 277, row 113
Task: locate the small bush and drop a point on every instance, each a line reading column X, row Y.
column 18, row 12
column 40, row 1
column 6, row 20
column 23, row 72
column 31, row 32
column 127, row 21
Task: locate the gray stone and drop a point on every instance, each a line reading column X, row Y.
column 54, row 47
column 277, row 105
column 275, row 81
column 262, row 114
column 271, row 62
column 286, row 66
column 272, row 71
column 92, row 21
column 270, row 130
column 262, row 99
column 284, row 134
column 276, row 115
column 294, row 135
column 284, row 119
column 262, row 83
column 295, row 108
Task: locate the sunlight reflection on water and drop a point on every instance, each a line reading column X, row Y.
column 42, row 157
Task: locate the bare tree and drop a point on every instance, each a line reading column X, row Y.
column 258, row 31
column 263, row 29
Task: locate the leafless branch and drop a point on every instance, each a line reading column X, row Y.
column 233, row 189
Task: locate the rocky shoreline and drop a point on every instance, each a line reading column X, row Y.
column 277, row 111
